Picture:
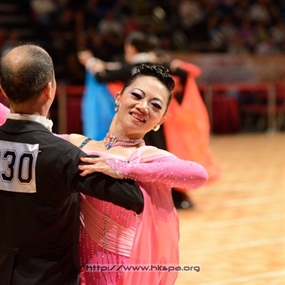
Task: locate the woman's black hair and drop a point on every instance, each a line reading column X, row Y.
column 159, row 72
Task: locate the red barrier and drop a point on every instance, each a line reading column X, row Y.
column 227, row 102
column 69, row 108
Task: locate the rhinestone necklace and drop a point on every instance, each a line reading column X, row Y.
column 111, row 141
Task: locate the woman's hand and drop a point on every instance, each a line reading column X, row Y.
column 96, row 164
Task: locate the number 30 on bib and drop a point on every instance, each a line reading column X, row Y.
column 17, row 167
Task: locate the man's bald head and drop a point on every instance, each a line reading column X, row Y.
column 24, row 72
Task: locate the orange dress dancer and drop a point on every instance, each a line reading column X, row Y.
column 187, row 129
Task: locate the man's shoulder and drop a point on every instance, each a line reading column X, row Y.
column 47, row 138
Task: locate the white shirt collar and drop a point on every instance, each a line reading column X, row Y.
column 36, row 118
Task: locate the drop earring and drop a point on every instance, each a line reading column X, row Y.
column 156, row 127
column 116, row 107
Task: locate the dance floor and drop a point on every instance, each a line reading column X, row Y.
column 236, row 232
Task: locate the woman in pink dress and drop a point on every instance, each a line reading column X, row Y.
column 117, row 246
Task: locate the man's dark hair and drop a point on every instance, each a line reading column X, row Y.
column 141, row 41
column 23, row 78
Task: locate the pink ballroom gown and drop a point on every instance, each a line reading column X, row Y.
column 114, row 240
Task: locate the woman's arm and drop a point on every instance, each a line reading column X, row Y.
column 169, row 170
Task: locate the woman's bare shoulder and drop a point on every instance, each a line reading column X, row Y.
column 77, row 139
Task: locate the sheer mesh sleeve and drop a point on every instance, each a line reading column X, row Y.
column 169, row 170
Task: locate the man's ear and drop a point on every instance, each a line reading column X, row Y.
column 3, row 92
column 48, row 91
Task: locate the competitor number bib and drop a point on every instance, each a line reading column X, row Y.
column 17, row 166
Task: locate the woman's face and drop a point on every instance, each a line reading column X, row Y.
column 142, row 105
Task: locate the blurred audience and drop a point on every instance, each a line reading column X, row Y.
column 220, row 26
